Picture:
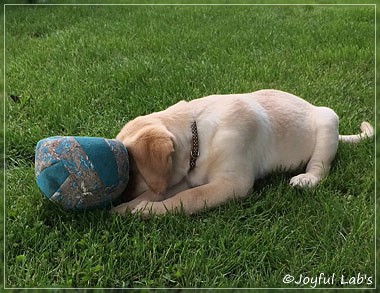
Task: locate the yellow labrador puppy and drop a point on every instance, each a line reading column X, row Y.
column 201, row 153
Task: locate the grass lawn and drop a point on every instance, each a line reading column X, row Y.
column 87, row 70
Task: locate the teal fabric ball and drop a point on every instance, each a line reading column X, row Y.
column 81, row 172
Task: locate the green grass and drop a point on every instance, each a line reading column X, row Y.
column 88, row 70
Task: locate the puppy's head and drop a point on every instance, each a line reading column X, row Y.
column 151, row 147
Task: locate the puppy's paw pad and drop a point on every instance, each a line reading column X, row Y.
column 304, row 180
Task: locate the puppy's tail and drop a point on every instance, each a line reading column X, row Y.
column 367, row 132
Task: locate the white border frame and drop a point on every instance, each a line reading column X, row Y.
column 188, row 4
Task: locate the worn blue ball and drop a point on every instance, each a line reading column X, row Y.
column 81, row 172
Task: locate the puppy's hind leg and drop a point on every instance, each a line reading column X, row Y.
column 326, row 145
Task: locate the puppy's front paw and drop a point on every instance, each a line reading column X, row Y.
column 144, row 208
column 304, row 180
column 121, row 209
column 147, row 209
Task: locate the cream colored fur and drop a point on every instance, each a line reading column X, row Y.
column 242, row 137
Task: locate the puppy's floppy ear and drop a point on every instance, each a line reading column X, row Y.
column 152, row 152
